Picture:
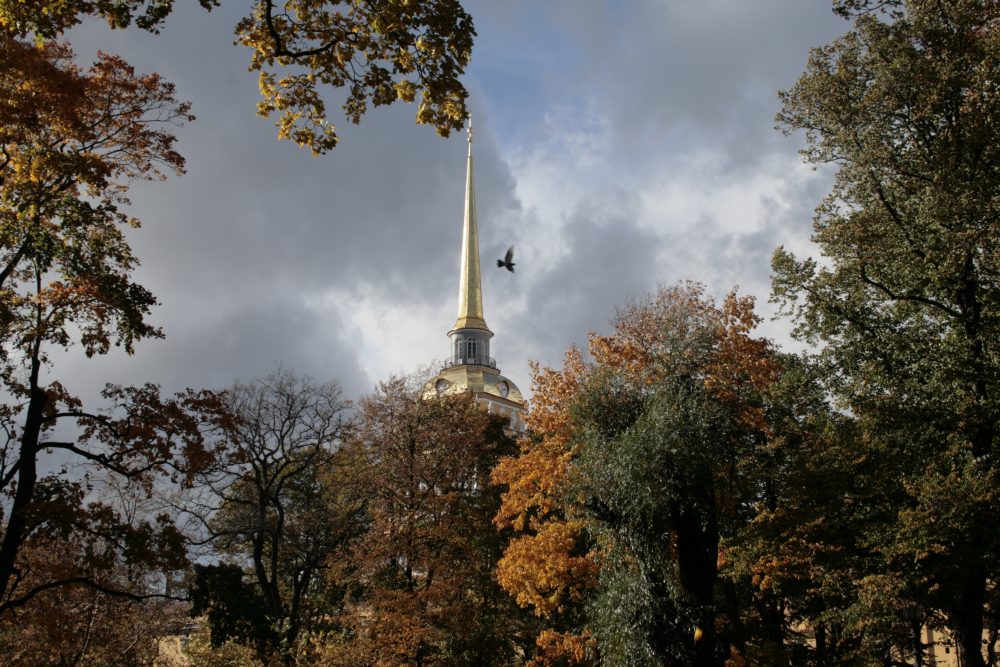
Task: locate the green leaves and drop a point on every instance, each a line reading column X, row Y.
column 905, row 302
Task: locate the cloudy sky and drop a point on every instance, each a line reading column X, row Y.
column 619, row 145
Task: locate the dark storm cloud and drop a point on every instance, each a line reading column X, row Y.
column 606, row 261
column 668, row 75
column 581, row 111
column 246, row 344
column 708, row 70
column 240, row 248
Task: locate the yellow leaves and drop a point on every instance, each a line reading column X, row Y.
column 534, row 480
column 543, row 568
column 564, row 649
column 343, row 45
column 536, row 477
column 369, row 50
column 405, row 90
column 539, row 570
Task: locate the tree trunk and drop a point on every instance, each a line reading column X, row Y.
column 820, row 645
column 697, row 561
column 918, row 647
column 967, row 618
column 970, row 593
column 26, row 478
column 737, row 632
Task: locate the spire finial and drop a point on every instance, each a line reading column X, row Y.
column 470, row 292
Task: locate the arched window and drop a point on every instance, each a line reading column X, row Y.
column 470, row 349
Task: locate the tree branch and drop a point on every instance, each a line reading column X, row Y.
column 908, row 297
column 8, row 477
column 101, row 459
column 279, row 44
column 14, row 261
column 83, row 581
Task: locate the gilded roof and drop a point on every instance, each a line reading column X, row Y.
column 475, row 380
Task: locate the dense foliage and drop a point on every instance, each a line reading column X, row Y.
column 421, row 578
column 640, row 463
column 906, row 301
column 377, row 51
column 685, row 493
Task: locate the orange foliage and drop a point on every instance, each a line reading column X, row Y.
column 426, row 561
column 536, row 477
column 731, row 360
column 537, row 569
column 560, row 648
column 540, row 571
column 741, row 361
column 680, row 331
column 639, row 345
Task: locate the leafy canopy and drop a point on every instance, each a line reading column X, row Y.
column 377, row 51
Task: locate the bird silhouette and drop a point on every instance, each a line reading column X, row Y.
column 508, row 260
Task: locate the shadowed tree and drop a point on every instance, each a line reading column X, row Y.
column 70, row 142
column 275, row 505
column 906, row 299
column 424, row 570
column 76, row 624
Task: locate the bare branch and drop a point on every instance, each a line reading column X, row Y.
column 83, row 581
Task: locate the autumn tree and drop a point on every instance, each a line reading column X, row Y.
column 547, row 564
column 905, row 301
column 794, row 571
column 377, row 51
column 671, row 411
column 637, row 469
column 426, row 593
column 274, row 508
column 70, row 142
column 75, row 624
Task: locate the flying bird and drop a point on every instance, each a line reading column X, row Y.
column 508, row 260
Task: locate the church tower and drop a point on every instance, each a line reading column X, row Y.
column 469, row 366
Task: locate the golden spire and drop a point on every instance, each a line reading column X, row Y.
column 470, row 290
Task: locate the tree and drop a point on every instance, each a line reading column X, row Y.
column 547, row 564
column 639, row 456
column 426, row 594
column 906, row 301
column 274, row 501
column 671, row 412
column 797, row 565
column 70, row 141
column 380, row 51
column 76, row 624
